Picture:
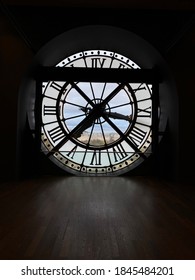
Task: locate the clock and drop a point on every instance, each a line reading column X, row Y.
column 97, row 101
column 97, row 128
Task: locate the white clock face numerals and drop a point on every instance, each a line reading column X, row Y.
column 96, row 128
column 98, row 59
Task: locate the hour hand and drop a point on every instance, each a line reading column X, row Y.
column 79, row 132
column 84, row 109
column 118, row 116
column 85, row 126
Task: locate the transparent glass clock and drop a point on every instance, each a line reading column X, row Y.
column 96, row 128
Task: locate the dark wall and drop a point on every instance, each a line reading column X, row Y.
column 181, row 60
column 14, row 59
column 171, row 32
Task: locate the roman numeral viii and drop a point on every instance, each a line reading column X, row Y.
column 119, row 152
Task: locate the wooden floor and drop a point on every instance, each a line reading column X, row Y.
column 96, row 218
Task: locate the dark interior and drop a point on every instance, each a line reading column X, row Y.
column 164, row 197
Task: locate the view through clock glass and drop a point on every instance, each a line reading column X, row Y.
column 96, row 128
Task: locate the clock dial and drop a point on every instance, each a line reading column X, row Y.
column 93, row 128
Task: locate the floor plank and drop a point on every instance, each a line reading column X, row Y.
column 96, row 218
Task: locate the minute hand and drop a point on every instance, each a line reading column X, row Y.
column 118, row 116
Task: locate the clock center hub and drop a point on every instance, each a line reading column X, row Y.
column 104, row 108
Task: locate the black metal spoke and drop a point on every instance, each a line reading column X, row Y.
column 103, row 91
column 102, row 129
column 73, row 104
column 74, row 117
column 91, row 132
column 93, row 93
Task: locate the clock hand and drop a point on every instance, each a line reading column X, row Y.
column 85, row 109
column 79, row 132
column 89, row 123
column 115, row 115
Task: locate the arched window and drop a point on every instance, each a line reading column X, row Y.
column 97, row 101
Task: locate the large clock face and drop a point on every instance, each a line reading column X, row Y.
column 96, row 128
